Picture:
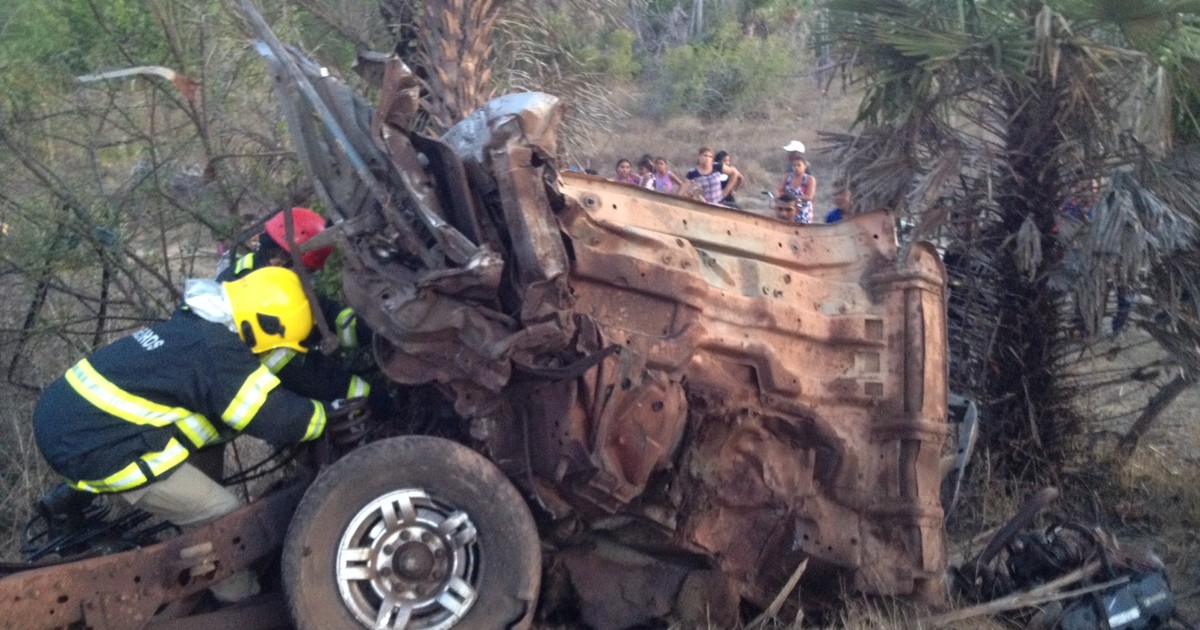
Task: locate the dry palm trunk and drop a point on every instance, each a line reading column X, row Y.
column 454, row 53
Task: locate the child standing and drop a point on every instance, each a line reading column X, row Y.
column 731, row 177
column 841, row 201
column 664, row 179
column 646, row 172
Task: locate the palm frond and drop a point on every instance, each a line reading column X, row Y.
column 980, row 120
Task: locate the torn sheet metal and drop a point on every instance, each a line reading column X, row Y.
column 756, row 392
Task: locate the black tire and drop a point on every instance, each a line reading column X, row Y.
column 458, row 531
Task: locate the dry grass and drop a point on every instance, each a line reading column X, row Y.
column 24, row 474
column 1156, row 506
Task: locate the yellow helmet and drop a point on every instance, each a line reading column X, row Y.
column 270, row 310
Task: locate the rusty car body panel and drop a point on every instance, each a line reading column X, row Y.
column 757, row 392
column 151, row 586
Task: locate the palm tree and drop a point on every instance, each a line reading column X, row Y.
column 980, row 118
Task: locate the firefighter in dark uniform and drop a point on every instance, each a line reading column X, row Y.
column 316, row 375
column 125, row 418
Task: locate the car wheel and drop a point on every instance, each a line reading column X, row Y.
column 415, row 533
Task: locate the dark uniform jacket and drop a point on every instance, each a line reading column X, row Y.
column 131, row 412
column 313, row 374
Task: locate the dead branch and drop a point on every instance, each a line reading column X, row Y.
column 186, row 86
column 772, row 610
column 1154, row 408
column 1033, row 597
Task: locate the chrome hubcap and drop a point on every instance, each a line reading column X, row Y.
column 408, row 561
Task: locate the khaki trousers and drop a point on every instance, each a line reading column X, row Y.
column 188, row 497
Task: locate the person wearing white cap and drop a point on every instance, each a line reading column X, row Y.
column 795, row 146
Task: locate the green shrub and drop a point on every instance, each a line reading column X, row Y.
column 619, row 62
column 729, row 75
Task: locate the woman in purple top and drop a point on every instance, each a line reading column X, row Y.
column 664, row 179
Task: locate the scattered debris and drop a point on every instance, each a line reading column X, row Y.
column 1065, row 575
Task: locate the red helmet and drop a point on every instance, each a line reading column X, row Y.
column 305, row 225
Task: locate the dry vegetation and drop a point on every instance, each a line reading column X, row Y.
column 1153, row 499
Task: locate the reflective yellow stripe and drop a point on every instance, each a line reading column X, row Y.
column 103, row 395
column 131, row 476
column 358, row 388
column 245, row 263
column 276, row 359
column 347, row 324
column 113, row 400
column 249, row 398
column 198, row 430
column 316, row 424
column 128, row 477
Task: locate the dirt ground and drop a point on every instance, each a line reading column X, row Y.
column 1161, row 482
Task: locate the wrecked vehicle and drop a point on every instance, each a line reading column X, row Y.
column 708, row 383
column 671, row 400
